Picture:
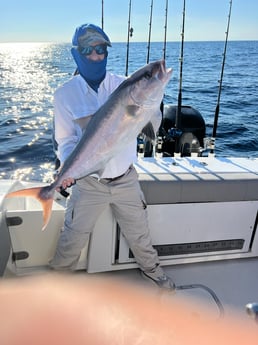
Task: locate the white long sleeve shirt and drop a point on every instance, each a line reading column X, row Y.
column 75, row 100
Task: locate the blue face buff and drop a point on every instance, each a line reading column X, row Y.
column 92, row 71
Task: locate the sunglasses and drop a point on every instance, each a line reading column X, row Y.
column 99, row 49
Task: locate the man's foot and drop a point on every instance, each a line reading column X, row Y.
column 160, row 279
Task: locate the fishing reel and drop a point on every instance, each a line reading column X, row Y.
column 186, row 140
column 144, row 146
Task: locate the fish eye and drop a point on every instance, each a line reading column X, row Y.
column 148, row 75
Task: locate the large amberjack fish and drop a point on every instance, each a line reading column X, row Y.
column 132, row 106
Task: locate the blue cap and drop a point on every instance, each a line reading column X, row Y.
column 88, row 34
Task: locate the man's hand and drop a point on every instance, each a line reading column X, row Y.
column 68, row 182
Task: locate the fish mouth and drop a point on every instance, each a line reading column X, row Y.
column 161, row 72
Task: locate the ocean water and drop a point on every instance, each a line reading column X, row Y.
column 30, row 73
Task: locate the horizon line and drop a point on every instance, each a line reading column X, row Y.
column 123, row 42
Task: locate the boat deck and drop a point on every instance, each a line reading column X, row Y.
column 233, row 282
column 194, row 203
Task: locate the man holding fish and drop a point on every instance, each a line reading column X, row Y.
column 98, row 116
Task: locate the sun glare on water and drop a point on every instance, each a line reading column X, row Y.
column 26, row 108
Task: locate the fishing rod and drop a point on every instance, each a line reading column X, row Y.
column 129, row 34
column 164, row 47
column 220, row 83
column 162, row 135
column 102, row 14
column 179, row 101
column 149, row 39
column 165, row 30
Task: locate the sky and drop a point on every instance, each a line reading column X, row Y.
column 56, row 20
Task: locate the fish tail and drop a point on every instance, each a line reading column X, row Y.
column 43, row 194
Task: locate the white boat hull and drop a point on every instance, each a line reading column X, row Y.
column 200, row 209
column 202, row 214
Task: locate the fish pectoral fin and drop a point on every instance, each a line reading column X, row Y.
column 132, row 109
column 36, row 192
column 148, row 130
column 152, row 127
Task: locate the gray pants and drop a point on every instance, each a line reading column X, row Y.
column 87, row 201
